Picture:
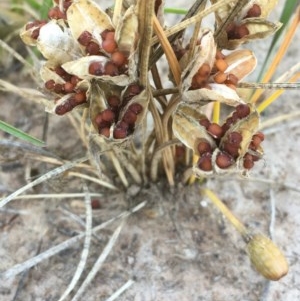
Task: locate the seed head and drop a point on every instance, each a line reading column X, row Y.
column 267, row 258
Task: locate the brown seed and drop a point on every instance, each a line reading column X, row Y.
column 96, row 68
column 220, row 77
column 119, row 133
column 224, row 160
column 231, row 149
column 221, row 65
column 50, row 84
column 108, row 115
column 136, row 108
column 215, row 130
column 198, row 81
column 118, row 58
column 129, row 117
column 111, row 69
column 80, row 97
column 95, row 204
column 109, row 45
column 204, row 122
column 55, row 13
column 105, row 131
column 110, row 36
column 235, row 138
column 134, row 89
column 204, row 163
column 85, row 38
column 204, row 147
column 60, row 71
column 254, row 11
column 68, row 87
column 113, row 101
column 241, row 31
column 92, row 48
column 242, row 110
column 256, row 141
column 204, row 70
column 75, row 80
column 248, row 161
column 63, row 108
column 230, row 29
column 58, row 88
column 231, row 79
column 35, row 33
column 261, row 136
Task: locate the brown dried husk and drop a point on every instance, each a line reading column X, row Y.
column 247, row 127
column 98, row 102
column 187, row 129
column 80, row 68
column 83, row 85
column 240, row 63
column 86, row 15
column 204, row 53
column 56, row 43
column 218, row 92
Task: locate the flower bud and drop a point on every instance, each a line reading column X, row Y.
column 266, row 257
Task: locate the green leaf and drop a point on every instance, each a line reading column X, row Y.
column 177, row 11
column 20, row 134
column 47, row 4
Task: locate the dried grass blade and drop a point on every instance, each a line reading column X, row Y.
column 86, row 244
column 43, row 178
column 171, row 57
column 145, row 16
column 97, row 266
column 184, row 24
column 121, row 290
column 21, row 267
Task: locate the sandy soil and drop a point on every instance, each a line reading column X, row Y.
column 178, row 247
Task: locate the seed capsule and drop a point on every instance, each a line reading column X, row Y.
column 267, row 258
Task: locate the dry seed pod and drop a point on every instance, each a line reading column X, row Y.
column 265, row 6
column 127, row 31
column 266, row 257
column 188, row 130
column 47, row 73
column 81, row 68
column 68, row 102
column 241, row 63
column 246, row 127
column 203, row 54
column 257, row 28
column 86, row 15
column 56, row 43
column 217, row 92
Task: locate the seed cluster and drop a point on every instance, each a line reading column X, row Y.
column 206, row 75
column 124, row 126
column 77, row 96
column 117, row 60
column 238, row 31
column 229, row 149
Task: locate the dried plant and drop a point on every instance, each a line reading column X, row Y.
column 104, row 66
